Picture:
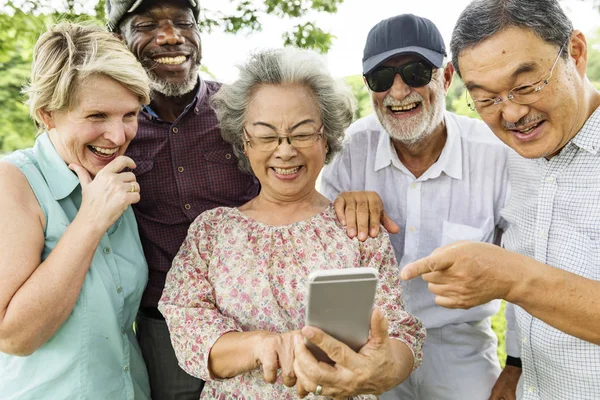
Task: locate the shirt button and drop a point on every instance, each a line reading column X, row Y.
column 228, row 156
column 196, row 110
column 126, row 368
column 175, row 129
column 412, row 229
column 550, row 179
column 523, row 340
column 413, row 186
column 531, row 389
column 107, row 250
column 180, row 169
column 187, row 206
column 542, row 234
column 119, row 289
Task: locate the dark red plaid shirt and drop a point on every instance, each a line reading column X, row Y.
column 183, row 169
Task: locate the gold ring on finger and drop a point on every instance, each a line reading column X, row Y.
column 132, row 187
column 318, row 390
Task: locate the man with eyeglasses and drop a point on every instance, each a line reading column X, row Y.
column 442, row 178
column 525, row 69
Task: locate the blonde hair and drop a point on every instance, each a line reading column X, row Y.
column 68, row 54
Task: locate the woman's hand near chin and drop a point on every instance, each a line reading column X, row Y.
column 381, row 363
column 109, row 193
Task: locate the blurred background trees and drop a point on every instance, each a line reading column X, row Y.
column 22, row 21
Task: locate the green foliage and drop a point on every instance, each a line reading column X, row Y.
column 309, row 36
column 593, row 66
column 247, row 18
column 22, row 21
column 362, row 95
column 499, row 327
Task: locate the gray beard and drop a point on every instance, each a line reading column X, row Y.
column 170, row 89
column 412, row 131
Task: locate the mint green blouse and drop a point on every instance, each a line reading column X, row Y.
column 94, row 354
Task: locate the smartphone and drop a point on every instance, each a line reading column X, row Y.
column 340, row 302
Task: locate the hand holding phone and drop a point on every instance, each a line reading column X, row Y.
column 340, row 302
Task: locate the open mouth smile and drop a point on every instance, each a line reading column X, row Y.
column 103, row 152
column 404, row 108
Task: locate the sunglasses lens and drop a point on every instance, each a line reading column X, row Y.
column 416, row 74
column 381, row 79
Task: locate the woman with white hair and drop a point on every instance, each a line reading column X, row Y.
column 234, row 299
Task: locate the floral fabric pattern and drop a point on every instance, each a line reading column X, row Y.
column 233, row 273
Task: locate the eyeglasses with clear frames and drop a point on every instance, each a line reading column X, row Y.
column 269, row 141
column 524, row 94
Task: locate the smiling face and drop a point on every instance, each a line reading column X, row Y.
column 286, row 173
column 165, row 38
column 496, row 65
column 410, row 114
column 99, row 128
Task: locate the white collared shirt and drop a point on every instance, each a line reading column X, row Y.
column 554, row 217
column 457, row 198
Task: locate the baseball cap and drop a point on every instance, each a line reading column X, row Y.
column 116, row 10
column 403, row 34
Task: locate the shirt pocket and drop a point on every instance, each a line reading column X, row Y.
column 143, row 166
column 453, row 232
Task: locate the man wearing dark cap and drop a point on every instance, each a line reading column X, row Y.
column 183, row 165
column 442, row 178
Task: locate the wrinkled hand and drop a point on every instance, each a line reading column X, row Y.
column 107, row 196
column 467, row 274
column 370, row 371
column 506, row 385
column 362, row 213
column 276, row 350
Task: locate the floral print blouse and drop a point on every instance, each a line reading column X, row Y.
column 233, row 273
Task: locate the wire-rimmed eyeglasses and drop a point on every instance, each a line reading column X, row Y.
column 523, row 94
column 271, row 140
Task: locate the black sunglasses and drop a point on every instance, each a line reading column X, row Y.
column 414, row 74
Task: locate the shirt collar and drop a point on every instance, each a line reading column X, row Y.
column 588, row 138
column 450, row 160
column 61, row 180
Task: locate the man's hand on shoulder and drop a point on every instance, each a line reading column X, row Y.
column 361, row 212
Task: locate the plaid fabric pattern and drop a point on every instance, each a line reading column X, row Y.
column 554, row 217
column 183, row 169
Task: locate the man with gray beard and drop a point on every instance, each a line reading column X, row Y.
column 183, row 165
column 442, row 178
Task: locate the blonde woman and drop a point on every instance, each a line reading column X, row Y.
column 72, row 265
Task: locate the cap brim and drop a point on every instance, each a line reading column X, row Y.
column 436, row 59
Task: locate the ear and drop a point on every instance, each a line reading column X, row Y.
column 577, row 48
column 448, row 75
column 47, row 118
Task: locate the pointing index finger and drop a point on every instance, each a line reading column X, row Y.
column 437, row 261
